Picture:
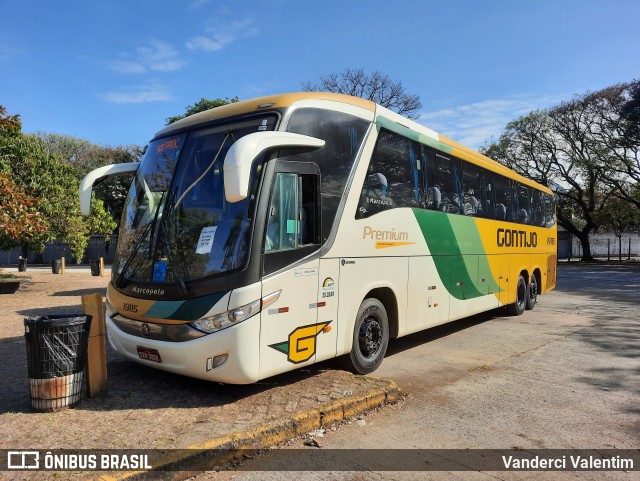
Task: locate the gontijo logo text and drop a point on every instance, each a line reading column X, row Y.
column 516, row 238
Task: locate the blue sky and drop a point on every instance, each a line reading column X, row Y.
column 112, row 71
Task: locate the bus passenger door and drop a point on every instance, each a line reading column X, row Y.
column 289, row 325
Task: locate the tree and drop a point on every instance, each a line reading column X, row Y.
column 85, row 156
column 53, row 186
column 620, row 217
column 20, row 220
column 200, row 106
column 69, row 149
column 9, row 124
column 560, row 147
column 616, row 125
column 377, row 87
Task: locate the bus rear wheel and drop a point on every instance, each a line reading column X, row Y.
column 518, row 307
column 532, row 292
column 370, row 337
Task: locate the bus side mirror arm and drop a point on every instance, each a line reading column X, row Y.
column 99, row 174
column 240, row 157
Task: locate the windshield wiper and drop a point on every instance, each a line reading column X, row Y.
column 163, row 233
column 155, row 220
column 132, row 256
column 206, row 171
column 149, row 226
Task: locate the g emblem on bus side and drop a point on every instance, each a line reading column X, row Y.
column 301, row 345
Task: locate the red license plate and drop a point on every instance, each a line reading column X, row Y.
column 149, row 354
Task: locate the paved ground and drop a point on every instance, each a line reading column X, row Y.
column 147, row 408
column 566, row 375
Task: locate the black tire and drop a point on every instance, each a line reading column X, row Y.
column 532, row 293
column 370, row 338
column 518, row 307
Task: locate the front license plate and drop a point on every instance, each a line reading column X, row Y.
column 149, row 354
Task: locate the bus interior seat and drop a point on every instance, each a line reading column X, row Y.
column 501, row 212
column 435, row 197
column 470, row 205
column 523, row 216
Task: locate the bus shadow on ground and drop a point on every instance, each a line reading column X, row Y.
column 422, row 337
column 132, row 386
column 135, row 386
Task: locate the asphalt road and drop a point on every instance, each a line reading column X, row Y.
column 565, row 375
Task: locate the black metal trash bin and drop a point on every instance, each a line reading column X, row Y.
column 56, row 266
column 95, row 267
column 22, row 264
column 56, row 355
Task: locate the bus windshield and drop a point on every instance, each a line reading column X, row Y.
column 177, row 225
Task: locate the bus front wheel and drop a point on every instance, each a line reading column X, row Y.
column 370, row 337
column 518, row 307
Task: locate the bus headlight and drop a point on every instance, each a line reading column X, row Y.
column 234, row 316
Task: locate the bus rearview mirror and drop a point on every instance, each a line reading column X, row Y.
column 113, row 170
column 239, row 159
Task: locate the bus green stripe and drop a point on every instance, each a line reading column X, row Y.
column 187, row 310
column 466, row 232
column 381, row 122
column 455, row 245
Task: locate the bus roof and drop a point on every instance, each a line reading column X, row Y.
column 280, row 101
column 277, row 101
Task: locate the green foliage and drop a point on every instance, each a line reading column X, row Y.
column 99, row 220
column 9, row 124
column 48, row 170
column 619, row 216
column 200, row 106
column 20, row 220
column 85, row 156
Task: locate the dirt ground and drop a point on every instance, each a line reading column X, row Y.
column 144, row 408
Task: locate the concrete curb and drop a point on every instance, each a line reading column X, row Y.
column 182, row 465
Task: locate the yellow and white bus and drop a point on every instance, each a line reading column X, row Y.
column 270, row 234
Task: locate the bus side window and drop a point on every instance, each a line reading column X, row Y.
column 393, row 179
column 448, row 181
column 524, row 204
column 549, row 210
column 502, row 208
column 433, row 197
column 308, row 213
column 477, row 195
column 485, row 188
column 471, row 194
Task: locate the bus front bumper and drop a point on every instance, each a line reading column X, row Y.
column 195, row 358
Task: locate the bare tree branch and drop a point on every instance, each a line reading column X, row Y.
column 377, row 87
